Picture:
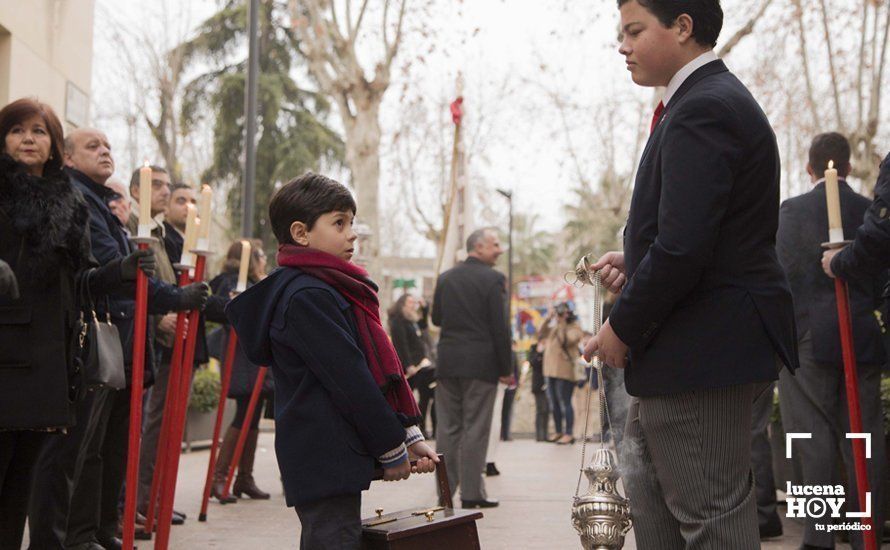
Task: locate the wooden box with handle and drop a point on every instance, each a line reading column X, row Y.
column 434, row 528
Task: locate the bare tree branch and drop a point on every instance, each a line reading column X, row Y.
column 804, row 58
column 353, row 32
column 834, row 80
column 861, row 68
column 746, row 29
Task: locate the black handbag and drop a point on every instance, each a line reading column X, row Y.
column 102, row 356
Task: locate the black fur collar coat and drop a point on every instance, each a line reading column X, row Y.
column 49, row 217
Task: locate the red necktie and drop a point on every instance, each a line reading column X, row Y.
column 656, row 115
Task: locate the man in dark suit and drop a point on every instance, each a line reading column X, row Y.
column 704, row 309
column 474, row 354
column 814, row 400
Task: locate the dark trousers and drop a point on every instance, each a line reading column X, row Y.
column 687, row 459
column 58, row 468
column 560, row 392
column 814, row 401
column 331, row 524
column 421, row 382
column 762, row 458
column 104, row 467
column 507, row 413
column 241, row 404
column 18, row 453
column 542, row 416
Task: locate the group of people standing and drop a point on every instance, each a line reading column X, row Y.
column 65, row 259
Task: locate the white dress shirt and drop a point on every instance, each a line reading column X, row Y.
column 685, row 73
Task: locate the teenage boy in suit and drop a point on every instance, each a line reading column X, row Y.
column 705, row 312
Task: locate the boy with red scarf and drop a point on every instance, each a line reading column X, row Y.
column 341, row 400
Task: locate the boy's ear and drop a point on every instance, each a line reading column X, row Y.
column 299, row 233
column 684, row 25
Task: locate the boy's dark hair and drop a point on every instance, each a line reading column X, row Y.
column 305, row 199
column 826, row 147
column 707, row 16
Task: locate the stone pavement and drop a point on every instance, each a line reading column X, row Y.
column 535, row 490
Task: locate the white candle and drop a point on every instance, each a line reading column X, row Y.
column 242, row 268
column 206, row 205
column 833, row 202
column 144, row 201
column 191, row 236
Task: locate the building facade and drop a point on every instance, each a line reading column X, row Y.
column 46, row 51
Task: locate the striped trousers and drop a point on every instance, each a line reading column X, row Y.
column 686, row 464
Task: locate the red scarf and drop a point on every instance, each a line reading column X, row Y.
column 352, row 282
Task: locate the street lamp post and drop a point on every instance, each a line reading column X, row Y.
column 509, row 196
column 250, row 114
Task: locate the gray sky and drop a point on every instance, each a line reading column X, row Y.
column 515, row 55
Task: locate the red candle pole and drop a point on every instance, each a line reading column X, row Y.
column 138, row 368
column 174, row 446
column 852, row 383
column 245, row 427
column 169, row 407
column 217, row 427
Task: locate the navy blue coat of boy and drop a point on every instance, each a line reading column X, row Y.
column 331, row 418
column 707, row 304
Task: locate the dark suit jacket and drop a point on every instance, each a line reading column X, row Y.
column 109, row 243
column 803, row 226
column 470, row 304
column 869, row 253
column 706, row 304
column 173, row 243
column 330, row 416
column 408, row 341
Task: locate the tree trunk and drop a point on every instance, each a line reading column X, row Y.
column 363, row 158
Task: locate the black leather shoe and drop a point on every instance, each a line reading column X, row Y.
column 491, row 470
column 485, row 503
column 178, row 518
column 113, row 543
column 771, row 529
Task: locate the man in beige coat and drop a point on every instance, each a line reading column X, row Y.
column 558, row 338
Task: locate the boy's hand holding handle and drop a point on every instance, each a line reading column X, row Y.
column 426, row 460
column 398, row 472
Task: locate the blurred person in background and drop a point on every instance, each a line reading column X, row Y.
column 244, row 375
column 407, row 321
column 558, row 337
